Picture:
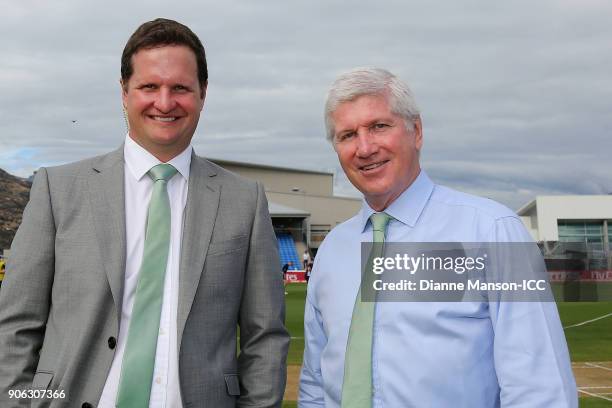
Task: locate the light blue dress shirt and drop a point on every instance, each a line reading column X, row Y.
column 434, row 354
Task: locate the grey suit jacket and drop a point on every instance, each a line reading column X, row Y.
column 60, row 302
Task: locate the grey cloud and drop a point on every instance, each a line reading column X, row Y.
column 515, row 96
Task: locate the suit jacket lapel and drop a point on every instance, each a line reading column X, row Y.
column 107, row 199
column 199, row 220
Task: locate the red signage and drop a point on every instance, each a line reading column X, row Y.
column 295, row 276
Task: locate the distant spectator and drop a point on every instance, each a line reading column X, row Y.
column 285, row 269
column 308, row 271
column 306, row 258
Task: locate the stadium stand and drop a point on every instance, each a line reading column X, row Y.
column 287, row 252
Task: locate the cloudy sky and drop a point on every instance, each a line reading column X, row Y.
column 515, row 96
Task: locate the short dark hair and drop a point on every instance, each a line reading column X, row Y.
column 158, row 33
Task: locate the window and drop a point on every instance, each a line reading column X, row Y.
column 588, row 232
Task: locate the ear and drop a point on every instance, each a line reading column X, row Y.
column 124, row 91
column 418, row 133
column 203, row 89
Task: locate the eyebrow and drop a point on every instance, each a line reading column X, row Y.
column 369, row 124
column 184, row 84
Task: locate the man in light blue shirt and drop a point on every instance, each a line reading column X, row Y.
column 424, row 354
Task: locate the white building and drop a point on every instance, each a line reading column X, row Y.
column 301, row 202
column 572, row 223
column 585, row 218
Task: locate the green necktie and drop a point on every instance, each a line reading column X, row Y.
column 139, row 356
column 357, row 385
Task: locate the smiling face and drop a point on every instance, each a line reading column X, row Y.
column 163, row 99
column 377, row 152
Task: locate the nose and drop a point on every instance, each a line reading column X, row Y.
column 165, row 101
column 366, row 145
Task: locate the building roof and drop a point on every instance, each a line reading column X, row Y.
column 586, row 201
column 278, row 210
column 221, row 163
column 526, row 208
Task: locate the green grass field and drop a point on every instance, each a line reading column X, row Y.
column 587, row 342
column 584, row 403
column 294, row 321
column 591, row 341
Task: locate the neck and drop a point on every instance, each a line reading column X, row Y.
column 162, row 153
column 382, row 202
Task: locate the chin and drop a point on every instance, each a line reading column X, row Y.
column 374, row 189
column 165, row 139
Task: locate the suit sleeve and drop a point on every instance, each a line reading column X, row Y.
column 530, row 351
column 26, row 293
column 264, row 341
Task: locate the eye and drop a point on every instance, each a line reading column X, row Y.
column 377, row 127
column 148, row 86
column 180, row 88
column 345, row 136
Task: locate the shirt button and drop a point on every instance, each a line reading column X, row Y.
column 112, row 342
column 158, row 380
column 161, row 332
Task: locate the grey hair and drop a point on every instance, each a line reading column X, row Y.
column 370, row 81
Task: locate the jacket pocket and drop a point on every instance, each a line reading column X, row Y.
column 228, row 245
column 232, row 383
column 41, row 380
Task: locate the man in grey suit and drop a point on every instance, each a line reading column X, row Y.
column 148, row 239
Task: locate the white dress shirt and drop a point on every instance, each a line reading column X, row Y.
column 433, row 354
column 165, row 390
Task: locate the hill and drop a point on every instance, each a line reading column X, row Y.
column 14, row 195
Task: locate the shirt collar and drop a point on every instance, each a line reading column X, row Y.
column 406, row 208
column 139, row 161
